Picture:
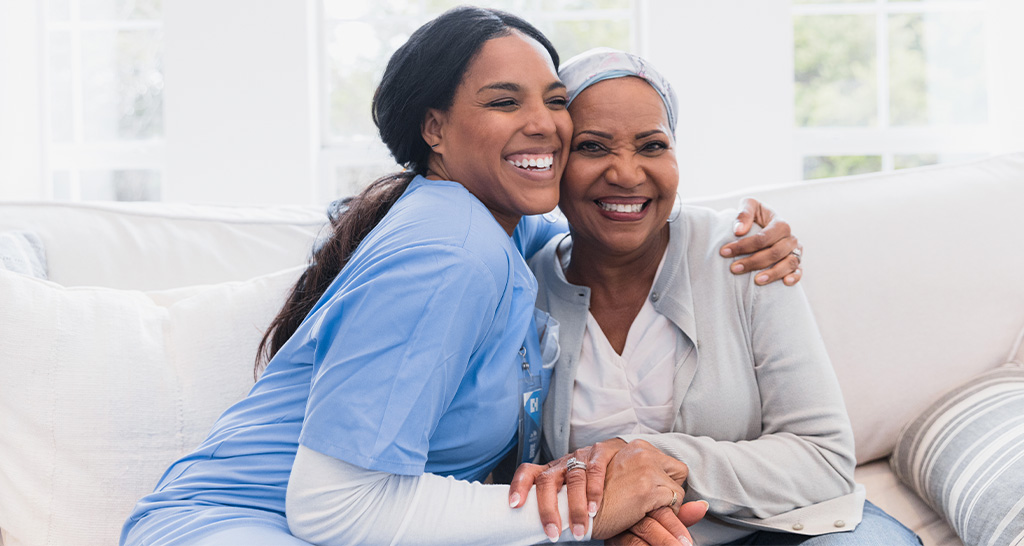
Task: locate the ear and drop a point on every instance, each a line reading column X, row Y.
column 432, row 129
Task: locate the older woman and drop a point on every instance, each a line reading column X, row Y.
column 659, row 344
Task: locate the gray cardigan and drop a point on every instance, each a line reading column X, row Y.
column 761, row 420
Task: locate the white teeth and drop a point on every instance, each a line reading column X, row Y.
column 615, row 207
column 539, row 163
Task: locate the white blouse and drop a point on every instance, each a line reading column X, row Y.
column 631, row 393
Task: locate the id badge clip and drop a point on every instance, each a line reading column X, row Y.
column 530, row 388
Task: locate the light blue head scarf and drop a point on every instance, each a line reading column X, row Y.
column 603, row 63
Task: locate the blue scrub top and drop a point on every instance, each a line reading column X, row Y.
column 409, row 363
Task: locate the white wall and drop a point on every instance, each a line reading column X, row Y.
column 240, row 101
column 20, row 112
column 731, row 62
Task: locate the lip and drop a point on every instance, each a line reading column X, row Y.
column 620, row 200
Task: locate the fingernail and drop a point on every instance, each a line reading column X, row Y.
column 736, row 227
column 789, row 279
column 762, row 278
column 685, row 541
column 705, row 503
column 513, row 500
column 551, row 530
column 737, row 268
column 592, row 509
column 578, row 531
column 727, row 252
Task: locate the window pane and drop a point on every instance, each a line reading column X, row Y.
column 61, row 91
column 573, row 37
column 937, row 69
column 351, row 179
column 61, row 185
column 59, row 10
column 835, row 70
column 357, row 54
column 920, row 160
column 435, row 7
column 842, row 165
column 123, row 85
column 121, row 185
column 120, row 9
column 587, row 4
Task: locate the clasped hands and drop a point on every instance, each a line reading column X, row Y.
column 633, row 491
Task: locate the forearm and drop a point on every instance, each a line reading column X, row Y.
column 332, row 502
column 759, row 478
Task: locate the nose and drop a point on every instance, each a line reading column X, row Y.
column 540, row 120
column 625, row 171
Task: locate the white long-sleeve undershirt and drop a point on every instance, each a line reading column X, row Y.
column 332, row 502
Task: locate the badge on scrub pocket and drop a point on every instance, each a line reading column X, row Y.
column 530, row 388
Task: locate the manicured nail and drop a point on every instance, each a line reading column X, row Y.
column 737, row 268
column 736, row 227
column 762, row 278
column 513, row 500
column 790, row 279
column 727, row 252
column 685, row 541
column 551, row 530
column 578, row 531
column 592, row 509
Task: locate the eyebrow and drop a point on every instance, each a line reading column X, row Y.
column 515, row 87
column 646, row 134
column 599, row 134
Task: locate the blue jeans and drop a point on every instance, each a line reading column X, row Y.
column 876, row 528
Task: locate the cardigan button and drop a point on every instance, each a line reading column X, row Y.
column 798, row 526
column 840, row 523
column 654, row 296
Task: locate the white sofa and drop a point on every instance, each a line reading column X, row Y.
column 147, row 328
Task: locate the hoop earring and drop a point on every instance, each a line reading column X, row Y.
column 676, row 209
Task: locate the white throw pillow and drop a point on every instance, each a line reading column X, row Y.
column 101, row 389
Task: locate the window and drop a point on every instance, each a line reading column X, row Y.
column 104, row 81
column 359, row 36
column 889, row 84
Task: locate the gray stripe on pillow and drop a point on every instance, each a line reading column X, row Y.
column 964, row 455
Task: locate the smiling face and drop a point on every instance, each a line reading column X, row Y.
column 620, row 183
column 506, row 134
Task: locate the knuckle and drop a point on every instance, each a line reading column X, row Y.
column 645, row 526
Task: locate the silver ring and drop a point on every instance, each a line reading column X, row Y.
column 573, row 464
column 799, row 255
column 675, row 499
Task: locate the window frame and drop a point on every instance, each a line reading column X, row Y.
column 78, row 155
column 886, row 140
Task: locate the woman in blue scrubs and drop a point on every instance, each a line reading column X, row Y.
column 406, row 363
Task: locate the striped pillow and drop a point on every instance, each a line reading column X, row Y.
column 964, row 455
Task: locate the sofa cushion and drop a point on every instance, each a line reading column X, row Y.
column 158, row 246
column 101, row 389
column 22, row 252
column 965, row 456
column 915, row 280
